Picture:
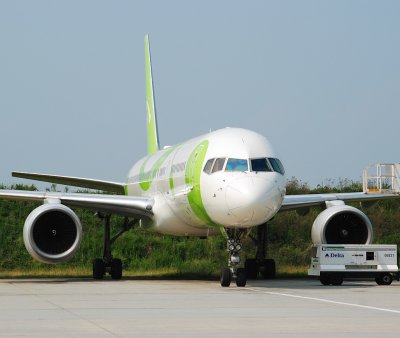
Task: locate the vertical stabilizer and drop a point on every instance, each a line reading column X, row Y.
column 152, row 132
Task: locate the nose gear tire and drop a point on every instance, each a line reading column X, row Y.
column 226, row 277
column 240, row 277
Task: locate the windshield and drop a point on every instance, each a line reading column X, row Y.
column 260, row 164
column 277, row 165
column 236, row 164
column 208, row 166
column 218, row 164
column 267, row 164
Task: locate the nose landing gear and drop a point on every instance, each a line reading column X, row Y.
column 234, row 246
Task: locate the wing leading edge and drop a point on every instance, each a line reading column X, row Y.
column 130, row 206
column 293, row 202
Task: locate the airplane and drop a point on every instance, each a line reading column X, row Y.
column 225, row 182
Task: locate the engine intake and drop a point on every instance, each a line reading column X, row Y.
column 342, row 225
column 52, row 233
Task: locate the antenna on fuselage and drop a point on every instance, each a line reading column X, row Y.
column 152, row 131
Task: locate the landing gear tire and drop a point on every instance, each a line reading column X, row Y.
column 259, row 265
column 384, row 279
column 268, row 269
column 110, row 265
column 226, row 277
column 251, row 268
column 241, row 277
column 98, row 268
column 116, row 268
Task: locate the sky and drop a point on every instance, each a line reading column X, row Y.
column 320, row 79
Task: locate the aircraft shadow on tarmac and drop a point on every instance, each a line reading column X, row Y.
column 294, row 283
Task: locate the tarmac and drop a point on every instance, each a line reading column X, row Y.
column 165, row 308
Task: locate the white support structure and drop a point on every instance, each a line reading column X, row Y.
column 382, row 178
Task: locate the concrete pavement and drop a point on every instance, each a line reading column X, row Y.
column 153, row 308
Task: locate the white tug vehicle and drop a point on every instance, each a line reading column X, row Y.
column 334, row 262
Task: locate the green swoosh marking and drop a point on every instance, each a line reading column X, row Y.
column 152, row 134
column 171, row 177
column 146, row 178
column 194, row 167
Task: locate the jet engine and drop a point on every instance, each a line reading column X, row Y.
column 52, row 233
column 342, row 224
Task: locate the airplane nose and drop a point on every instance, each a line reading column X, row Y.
column 249, row 199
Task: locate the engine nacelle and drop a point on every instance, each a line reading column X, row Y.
column 52, row 233
column 342, row 224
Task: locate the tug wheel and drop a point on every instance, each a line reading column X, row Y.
column 384, row 279
column 324, row 279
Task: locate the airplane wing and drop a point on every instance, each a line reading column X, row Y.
column 293, row 202
column 131, row 206
column 115, row 187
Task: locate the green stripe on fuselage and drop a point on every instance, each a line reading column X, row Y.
column 193, row 171
column 146, row 177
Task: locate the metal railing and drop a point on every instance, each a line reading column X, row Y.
column 382, row 178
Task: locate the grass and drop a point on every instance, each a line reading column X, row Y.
column 51, row 272
column 161, row 273
column 291, row 271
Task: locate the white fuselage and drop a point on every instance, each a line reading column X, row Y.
column 232, row 191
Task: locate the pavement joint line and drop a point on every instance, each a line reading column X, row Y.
column 85, row 319
column 41, row 297
column 326, row 301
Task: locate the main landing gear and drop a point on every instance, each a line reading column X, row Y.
column 234, row 246
column 260, row 265
column 108, row 264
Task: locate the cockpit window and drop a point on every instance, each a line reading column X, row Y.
column 208, row 166
column 260, row 164
column 236, row 164
column 277, row 165
column 218, row 165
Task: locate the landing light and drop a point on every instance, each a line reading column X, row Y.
column 235, row 259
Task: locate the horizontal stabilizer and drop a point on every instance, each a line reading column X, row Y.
column 115, row 187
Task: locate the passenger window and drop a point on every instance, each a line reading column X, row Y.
column 218, row 165
column 208, row 166
column 277, row 165
column 236, row 164
column 260, row 164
